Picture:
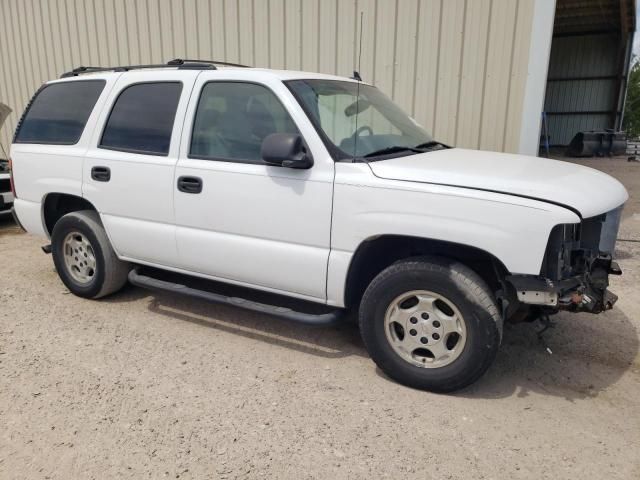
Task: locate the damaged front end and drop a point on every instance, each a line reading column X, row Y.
column 576, row 268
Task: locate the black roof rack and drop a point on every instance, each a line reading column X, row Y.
column 180, row 61
column 177, row 62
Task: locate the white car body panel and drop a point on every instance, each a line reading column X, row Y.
column 295, row 231
column 30, row 215
column 366, row 207
column 550, row 180
column 42, row 169
column 224, row 280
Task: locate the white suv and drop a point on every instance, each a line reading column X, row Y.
column 314, row 187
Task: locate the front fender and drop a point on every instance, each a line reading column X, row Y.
column 514, row 230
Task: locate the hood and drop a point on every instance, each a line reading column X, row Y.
column 4, row 113
column 585, row 190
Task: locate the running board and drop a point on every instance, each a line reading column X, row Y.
column 318, row 320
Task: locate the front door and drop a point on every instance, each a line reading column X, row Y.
column 237, row 218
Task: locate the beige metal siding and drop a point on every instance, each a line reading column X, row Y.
column 458, row 66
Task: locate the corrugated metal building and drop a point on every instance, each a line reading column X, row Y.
column 590, row 55
column 473, row 72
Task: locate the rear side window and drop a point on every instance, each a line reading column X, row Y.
column 59, row 112
column 142, row 117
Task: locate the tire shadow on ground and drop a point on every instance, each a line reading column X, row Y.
column 331, row 342
column 590, row 352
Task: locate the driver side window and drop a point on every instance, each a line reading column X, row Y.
column 233, row 118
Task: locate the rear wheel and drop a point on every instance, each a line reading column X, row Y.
column 84, row 258
column 430, row 323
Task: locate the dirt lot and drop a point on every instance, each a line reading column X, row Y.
column 151, row 385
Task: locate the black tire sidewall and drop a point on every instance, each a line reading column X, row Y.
column 482, row 337
column 66, row 225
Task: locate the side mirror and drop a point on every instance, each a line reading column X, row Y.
column 285, row 150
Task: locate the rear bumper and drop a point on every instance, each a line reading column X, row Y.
column 584, row 293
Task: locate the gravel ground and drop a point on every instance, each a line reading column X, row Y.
column 145, row 385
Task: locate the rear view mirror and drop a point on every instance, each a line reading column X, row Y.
column 285, row 150
column 359, row 106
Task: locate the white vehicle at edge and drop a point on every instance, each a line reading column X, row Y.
column 318, row 188
column 6, row 197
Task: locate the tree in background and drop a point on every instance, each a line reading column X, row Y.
column 631, row 123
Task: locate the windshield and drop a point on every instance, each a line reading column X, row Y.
column 371, row 126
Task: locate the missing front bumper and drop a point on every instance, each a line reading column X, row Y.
column 584, row 293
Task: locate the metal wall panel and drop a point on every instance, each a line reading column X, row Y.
column 458, row 66
column 568, row 91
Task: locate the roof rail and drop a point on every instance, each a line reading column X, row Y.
column 180, row 61
column 177, row 62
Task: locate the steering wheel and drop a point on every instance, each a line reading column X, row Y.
column 362, row 129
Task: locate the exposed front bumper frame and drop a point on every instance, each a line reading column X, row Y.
column 582, row 293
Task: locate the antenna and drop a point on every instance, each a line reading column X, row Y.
column 358, row 78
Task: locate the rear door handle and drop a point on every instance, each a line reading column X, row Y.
column 190, row 184
column 101, row 174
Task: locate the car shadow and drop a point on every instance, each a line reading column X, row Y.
column 589, row 352
column 332, row 342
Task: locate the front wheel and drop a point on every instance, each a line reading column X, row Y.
column 84, row 258
column 430, row 323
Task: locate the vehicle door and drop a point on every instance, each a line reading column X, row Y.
column 239, row 219
column 129, row 167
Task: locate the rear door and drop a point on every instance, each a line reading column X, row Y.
column 129, row 167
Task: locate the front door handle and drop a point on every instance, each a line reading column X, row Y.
column 101, row 174
column 190, row 184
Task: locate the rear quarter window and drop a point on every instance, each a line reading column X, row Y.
column 59, row 112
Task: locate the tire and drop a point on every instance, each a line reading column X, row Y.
column 449, row 296
column 100, row 272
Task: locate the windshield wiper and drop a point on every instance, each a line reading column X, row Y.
column 422, row 148
column 392, row 149
column 431, row 143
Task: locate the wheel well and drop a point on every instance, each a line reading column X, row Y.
column 57, row 205
column 373, row 256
